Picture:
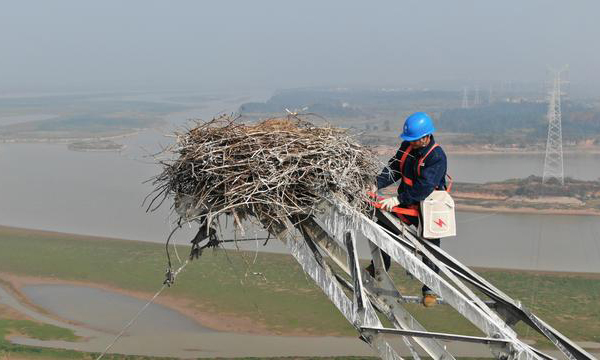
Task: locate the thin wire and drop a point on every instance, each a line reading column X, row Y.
column 477, row 218
column 133, row 320
column 241, row 281
column 176, row 252
column 167, row 245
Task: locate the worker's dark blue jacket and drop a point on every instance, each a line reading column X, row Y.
column 432, row 174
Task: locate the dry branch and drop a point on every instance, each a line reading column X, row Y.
column 272, row 170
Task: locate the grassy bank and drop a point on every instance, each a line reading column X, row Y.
column 11, row 325
column 15, row 324
column 281, row 300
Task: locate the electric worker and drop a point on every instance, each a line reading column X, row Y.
column 419, row 167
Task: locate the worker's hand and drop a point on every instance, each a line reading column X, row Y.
column 389, row 203
column 373, row 189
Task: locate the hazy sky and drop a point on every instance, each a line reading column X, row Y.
column 68, row 45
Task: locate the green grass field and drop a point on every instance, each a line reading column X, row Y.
column 284, row 300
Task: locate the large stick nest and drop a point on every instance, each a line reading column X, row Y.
column 272, row 170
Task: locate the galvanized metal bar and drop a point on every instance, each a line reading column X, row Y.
column 502, row 303
column 339, row 218
column 329, row 246
column 458, row 268
column 455, row 266
column 332, row 289
column 415, row 299
column 470, row 294
column 513, row 310
column 359, row 295
column 566, row 346
column 387, row 297
column 441, row 336
column 383, row 294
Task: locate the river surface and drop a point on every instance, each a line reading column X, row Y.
column 48, row 187
column 498, row 167
column 106, row 310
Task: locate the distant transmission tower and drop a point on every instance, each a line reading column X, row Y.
column 553, row 164
column 465, row 100
column 477, row 100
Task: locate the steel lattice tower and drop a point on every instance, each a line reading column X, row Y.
column 465, row 99
column 553, row 164
column 477, row 99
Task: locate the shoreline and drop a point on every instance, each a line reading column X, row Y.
column 461, row 207
column 194, row 310
column 66, row 141
column 26, row 231
column 524, row 210
column 587, row 151
column 458, row 150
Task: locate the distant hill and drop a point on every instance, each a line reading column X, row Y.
column 522, row 121
column 76, row 126
column 81, row 116
column 351, row 103
column 510, row 123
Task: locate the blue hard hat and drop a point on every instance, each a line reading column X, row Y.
column 416, row 126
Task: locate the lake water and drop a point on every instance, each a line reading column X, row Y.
column 108, row 311
column 98, row 315
column 46, row 186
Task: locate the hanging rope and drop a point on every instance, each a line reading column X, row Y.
column 137, row 315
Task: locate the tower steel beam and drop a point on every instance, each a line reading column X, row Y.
column 333, row 233
column 553, row 162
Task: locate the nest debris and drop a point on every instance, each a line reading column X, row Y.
column 272, row 170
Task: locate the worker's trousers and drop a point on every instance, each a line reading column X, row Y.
column 386, row 258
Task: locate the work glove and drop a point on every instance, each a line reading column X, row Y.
column 389, row 203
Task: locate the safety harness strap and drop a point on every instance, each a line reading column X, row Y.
column 411, row 210
column 420, row 165
column 422, row 159
column 449, row 186
column 404, row 156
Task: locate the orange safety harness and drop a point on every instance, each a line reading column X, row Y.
column 411, row 210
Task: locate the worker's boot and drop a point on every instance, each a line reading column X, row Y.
column 429, row 299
